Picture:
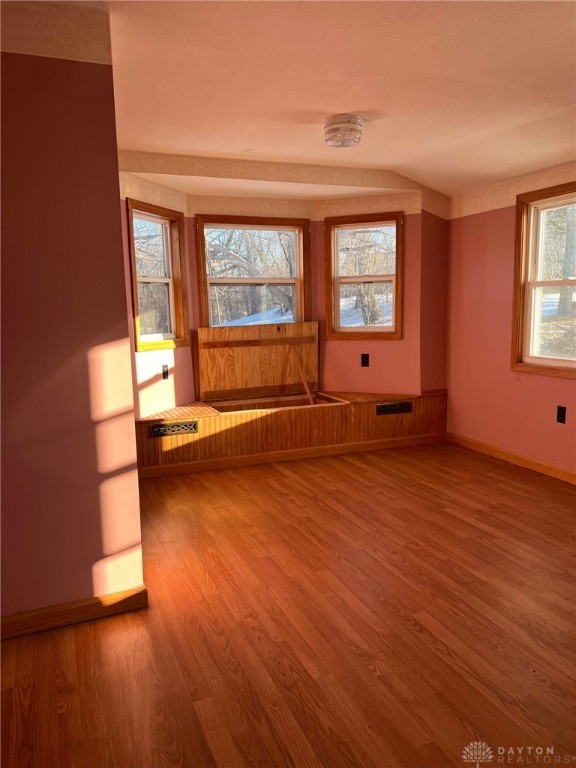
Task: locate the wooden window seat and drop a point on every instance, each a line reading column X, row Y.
column 286, row 428
column 259, row 402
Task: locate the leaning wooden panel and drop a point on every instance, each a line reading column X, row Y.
column 241, row 361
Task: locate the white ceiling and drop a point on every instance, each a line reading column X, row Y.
column 457, row 95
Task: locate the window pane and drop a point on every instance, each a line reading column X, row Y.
column 154, row 308
column 150, row 248
column 366, row 250
column 554, row 323
column 250, row 252
column 557, row 243
column 366, row 304
column 251, row 304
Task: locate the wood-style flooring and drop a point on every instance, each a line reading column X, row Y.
column 377, row 610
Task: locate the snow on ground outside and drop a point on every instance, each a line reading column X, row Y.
column 349, row 316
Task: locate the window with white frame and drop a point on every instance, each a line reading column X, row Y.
column 158, row 287
column 364, row 276
column 545, row 305
column 253, row 270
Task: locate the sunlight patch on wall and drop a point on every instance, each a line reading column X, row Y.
column 112, row 411
column 118, row 572
column 155, row 393
column 120, row 524
column 115, row 443
column 110, row 375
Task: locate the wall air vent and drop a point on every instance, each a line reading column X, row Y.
column 385, row 409
column 181, row 428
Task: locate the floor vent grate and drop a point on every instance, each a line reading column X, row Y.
column 384, row 409
column 182, row 428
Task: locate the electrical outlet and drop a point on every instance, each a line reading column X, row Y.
column 365, row 360
column 561, row 414
column 164, row 372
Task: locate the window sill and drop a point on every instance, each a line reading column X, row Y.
column 545, row 370
column 363, row 335
column 151, row 346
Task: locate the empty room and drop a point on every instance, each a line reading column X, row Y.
column 288, row 383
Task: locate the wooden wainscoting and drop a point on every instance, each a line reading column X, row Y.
column 271, row 434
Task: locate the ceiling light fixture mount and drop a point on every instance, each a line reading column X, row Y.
column 343, row 130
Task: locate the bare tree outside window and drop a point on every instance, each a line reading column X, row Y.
column 544, row 317
column 363, row 252
column 252, row 274
column 364, row 281
column 557, row 303
column 151, row 244
column 158, row 276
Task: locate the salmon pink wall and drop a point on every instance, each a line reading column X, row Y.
column 489, row 402
column 394, row 365
column 70, row 509
column 433, row 301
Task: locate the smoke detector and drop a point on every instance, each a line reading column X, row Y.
column 343, row 130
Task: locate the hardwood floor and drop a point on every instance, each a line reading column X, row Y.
column 377, row 610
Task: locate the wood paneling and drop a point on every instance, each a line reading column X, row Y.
column 267, row 431
column 182, row 413
column 372, row 397
column 260, row 392
column 378, row 610
column 244, row 361
column 289, row 454
column 258, row 403
column 260, row 342
column 29, row 622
